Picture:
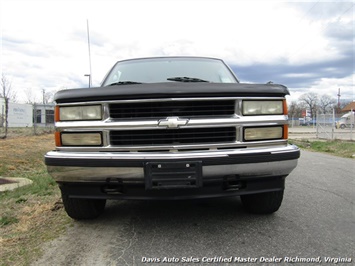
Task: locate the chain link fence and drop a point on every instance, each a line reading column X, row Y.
column 324, row 126
column 331, row 126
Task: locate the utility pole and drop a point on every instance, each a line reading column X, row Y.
column 43, row 96
column 339, row 99
column 90, row 75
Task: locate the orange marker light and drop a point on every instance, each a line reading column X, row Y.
column 56, row 114
column 57, row 138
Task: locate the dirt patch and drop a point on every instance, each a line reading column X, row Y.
column 22, row 154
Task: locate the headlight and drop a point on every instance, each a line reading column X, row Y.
column 263, row 133
column 81, row 139
column 75, row 113
column 263, row 107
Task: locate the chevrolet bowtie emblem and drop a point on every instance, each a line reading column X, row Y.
column 172, row 122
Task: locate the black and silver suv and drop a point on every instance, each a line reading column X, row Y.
column 171, row 128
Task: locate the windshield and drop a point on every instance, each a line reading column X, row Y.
column 151, row 70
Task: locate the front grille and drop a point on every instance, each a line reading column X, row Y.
column 159, row 110
column 173, row 136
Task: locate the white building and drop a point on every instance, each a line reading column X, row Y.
column 20, row 115
column 26, row 115
column 43, row 114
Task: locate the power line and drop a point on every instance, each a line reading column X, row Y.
column 309, row 10
column 322, row 30
column 302, row 18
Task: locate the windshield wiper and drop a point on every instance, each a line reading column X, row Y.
column 186, row 79
column 124, row 83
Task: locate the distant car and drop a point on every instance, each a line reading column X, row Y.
column 307, row 122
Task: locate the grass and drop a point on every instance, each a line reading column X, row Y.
column 26, row 131
column 339, row 148
column 7, row 219
column 33, row 214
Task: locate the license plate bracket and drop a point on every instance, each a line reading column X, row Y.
column 173, row 175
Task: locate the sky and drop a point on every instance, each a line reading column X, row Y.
column 307, row 46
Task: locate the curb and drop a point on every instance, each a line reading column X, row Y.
column 11, row 183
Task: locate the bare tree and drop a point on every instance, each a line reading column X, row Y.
column 31, row 97
column 311, row 101
column 326, row 103
column 48, row 96
column 7, row 93
column 295, row 109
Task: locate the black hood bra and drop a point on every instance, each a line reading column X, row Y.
column 170, row 90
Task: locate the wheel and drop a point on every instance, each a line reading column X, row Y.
column 262, row 203
column 342, row 126
column 80, row 209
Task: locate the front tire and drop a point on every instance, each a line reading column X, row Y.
column 80, row 209
column 262, row 203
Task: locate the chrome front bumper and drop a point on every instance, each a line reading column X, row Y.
column 98, row 166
